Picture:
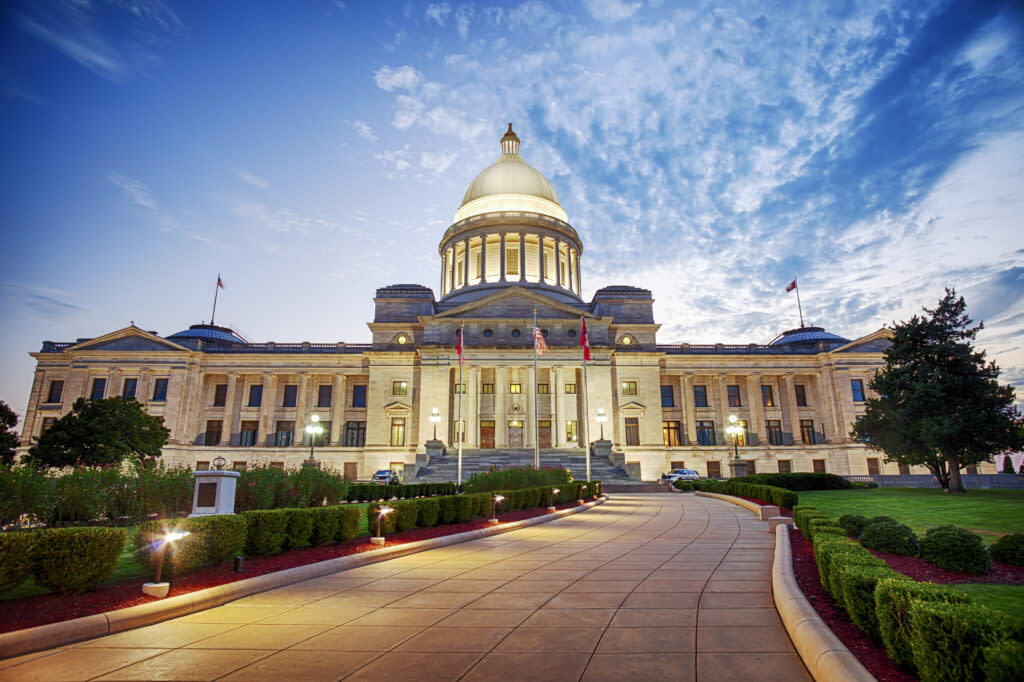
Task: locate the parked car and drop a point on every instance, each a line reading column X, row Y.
column 681, row 475
column 385, row 477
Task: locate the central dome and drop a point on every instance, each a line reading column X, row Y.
column 510, row 184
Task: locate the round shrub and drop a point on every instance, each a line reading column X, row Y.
column 1003, row 662
column 891, row 537
column 853, row 524
column 956, row 549
column 1009, row 549
column 75, row 560
column 882, row 519
column 15, row 548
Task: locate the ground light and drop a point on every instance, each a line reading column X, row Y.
column 379, row 539
column 554, row 491
column 157, row 588
column 495, row 499
column 583, row 489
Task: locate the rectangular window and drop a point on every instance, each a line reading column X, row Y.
column 398, row 431
column 542, row 389
column 291, row 394
column 705, row 433
column 399, row 388
column 628, row 388
column 213, row 432
column 671, row 436
column 570, row 389
column 801, row 395
column 571, row 434
column 700, row 396
column 47, row 423
column 284, row 434
column 774, row 431
column 324, row 395
column 785, row 466
column 351, row 470
column 807, row 431
column 355, row 434
column 128, row 389
column 733, row 392
column 872, row 466
column 668, row 398
column 515, row 388
column 99, row 387
column 160, row 390
column 238, row 465
column 460, row 388
column 487, row 389
column 359, row 396
column 857, row 388
column 249, row 435
column 818, row 466
column 632, row 431
column 202, row 465
column 255, row 395
column 767, row 396
column 714, row 469
column 220, row 395
column 677, row 464
column 511, row 262
column 56, row 391
column 324, row 437
column 904, row 469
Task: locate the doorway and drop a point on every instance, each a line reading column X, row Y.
column 515, row 433
column 399, row 468
column 487, row 435
column 544, row 434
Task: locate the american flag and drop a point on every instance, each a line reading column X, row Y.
column 539, row 344
column 220, row 282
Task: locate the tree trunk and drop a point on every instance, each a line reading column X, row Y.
column 940, row 475
column 956, row 484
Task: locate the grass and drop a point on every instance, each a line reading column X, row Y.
column 990, row 513
column 1006, row 598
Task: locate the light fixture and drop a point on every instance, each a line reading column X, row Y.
column 554, row 491
column 402, row 339
column 495, row 499
column 379, row 539
column 435, row 418
column 314, row 429
column 601, row 419
column 734, row 430
column 156, row 588
column 626, row 340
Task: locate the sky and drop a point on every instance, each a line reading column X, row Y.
column 312, row 152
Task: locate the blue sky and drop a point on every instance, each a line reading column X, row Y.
column 312, row 152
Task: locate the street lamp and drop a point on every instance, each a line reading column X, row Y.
column 435, row 418
column 495, row 499
column 601, row 419
column 739, row 468
column 379, row 539
column 313, row 429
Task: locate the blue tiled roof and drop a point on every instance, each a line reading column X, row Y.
column 208, row 332
column 808, row 335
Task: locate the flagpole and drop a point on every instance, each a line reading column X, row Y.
column 536, row 424
column 586, row 417
column 458, row 424
column 798, row 306
column 216, row 290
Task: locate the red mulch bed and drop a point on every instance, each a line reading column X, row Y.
column 920, row 570
column 18, row 614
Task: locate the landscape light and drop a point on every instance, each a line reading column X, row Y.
column 495, row 499
column 554, row 491
column 157, row 588
column 379, row 539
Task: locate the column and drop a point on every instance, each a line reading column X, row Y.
column 465, row 263
column 568, row 268
column 529, row 425
column 540, row 259
column 300, row 409
column 558, row 260
column 231, row 411
column 501, row 259
column 267, row 406
column 143, row 392
column 557, row 427
column 522, row 257
column 195, row 388
column 113, row 387
column 754, row 397
column 500, row 398
column 32, row 413
column 471, row 410
column 451, row 268
column 689, row 416
column 723, row 408
column 844, row 404
column 579, row 278
column 483, row 260
column 338, row 408
column 794, row 418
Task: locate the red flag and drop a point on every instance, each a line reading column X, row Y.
column 458, row 348
column 585, row 342
column 792, row 285
column 220, row 283
column 539, row 344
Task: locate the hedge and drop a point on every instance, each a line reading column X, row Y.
column 1003, row 662
column 298, row 528
column 956, row 549
column 781, row 497
column 267, row 530
column 947, row 640
column 211, row 540
column 893, row 600
column 798, row 481
column 816, row 522
column 16, row 550
column 857, row 584
column 75, row 560
column 372, row 492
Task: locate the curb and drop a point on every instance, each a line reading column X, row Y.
column 97, row 625
column 752, row 506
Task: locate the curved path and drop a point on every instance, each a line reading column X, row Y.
column 644, row 587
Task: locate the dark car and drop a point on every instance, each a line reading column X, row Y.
column 386, row 477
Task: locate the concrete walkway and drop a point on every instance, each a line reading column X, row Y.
column 644, row 587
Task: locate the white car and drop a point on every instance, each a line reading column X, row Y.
column 681, row 475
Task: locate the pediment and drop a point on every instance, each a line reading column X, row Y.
column 397, row 406
column 130, row 339
column 632, row 406
column 875, row 342
column 515, row 303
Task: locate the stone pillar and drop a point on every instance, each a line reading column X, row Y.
column 579, row 277
column 500, row 409
column 522, row 256
column 557, row 428
column 231, row 410
column 465, row 263
column 300, row 409
column 558, row 258
column 723, row 408
column 188, row 424
column 267, row 406
column 501, row 260
column 689, row 415
column 529, row 425
column 843, row 399
column 451, row 268
column 143, row 392
column 754, row 398
column 540, row 260
column 568, row 268
column 483, row 259
column 338, row 408
column 113, row 379
column 32, row 413
column 794, row 417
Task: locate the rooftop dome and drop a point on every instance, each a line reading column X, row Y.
column 510, row 184
column 808, row 336
column 209, row 333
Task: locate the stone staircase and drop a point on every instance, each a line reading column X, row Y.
column 443, row 469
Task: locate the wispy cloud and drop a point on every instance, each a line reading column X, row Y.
column 88, row 50
column 400, row 78
column 42, row 303
column 611, row 10
column 282, row 220
column 364, row 131
column 252, row 179
column 438, row 12
column 135, row 190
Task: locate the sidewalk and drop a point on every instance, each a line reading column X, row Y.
column 645, row 587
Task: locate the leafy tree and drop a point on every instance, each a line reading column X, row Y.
column 8, row 437
column 99, row 432
column 939, row 403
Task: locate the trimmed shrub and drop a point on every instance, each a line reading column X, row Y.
column 299, row 527
column 516, row 478
column 447, row 509
column 805, row 527
column 885, row 536
column 348, row 522
column 820, row 531
column 956, row 549
column 465, row 508
column 428, row 513
column 387, row 522
column 326, row 523
column 853, row 524
column 1003, row 662
column 266, row 531
column 893, row 599
column 857, row 587
column 833, row 579
column 865, row 484
column 798, row 481
column 882, row 519
column 1009, row 549
column 801, row 517
column 16, row 550
column 406, row 513
column 816, row 522
column 947, row 640
column 75, row 560
column 211, row 540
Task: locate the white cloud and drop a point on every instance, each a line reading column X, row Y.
column 281, row 220
column 135, row 190
column 93, row 54
column 364, row 131
column 438, row 12
column 403, row 77
column 252, row 179
column 463, row 16
column 437, row 161
column 611, row 10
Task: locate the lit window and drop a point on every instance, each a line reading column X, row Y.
column 487, row 389
column 515, row 388
column 807, row 434
column 402, row 339
column 460, row 388
column 626, row 340
column 632, row 431
column 511, row 261
column 570, row 431
column 542, row 389
column 398, row 431
column 671, row 436
column 399, row 388
column 570, row 389
column 628, row 388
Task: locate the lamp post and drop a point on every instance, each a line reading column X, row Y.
column 379, row 539
column 738, row 466
column 157, row 588
column 314, row 429
column 435, row 419
column 495, row 499
column 554, row 491
column 601, row 419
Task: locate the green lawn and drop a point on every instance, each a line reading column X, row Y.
column 1008, row 598
column 990, row 513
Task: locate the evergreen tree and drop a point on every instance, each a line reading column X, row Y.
column 8, row 436
column 1007, row 464
column 939, row 402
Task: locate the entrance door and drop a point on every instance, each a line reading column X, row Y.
column 399, row 468
column 351, row 470
column 487, row 435
column 515, row 434
column 544, row 434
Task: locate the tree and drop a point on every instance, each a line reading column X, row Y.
column 8, row 437
column 99, row 432
column 1007, row 464
column 939, row 402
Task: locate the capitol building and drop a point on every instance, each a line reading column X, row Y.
column 509, row 253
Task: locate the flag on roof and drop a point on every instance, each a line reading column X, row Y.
column 539, row 344
column 220, row 282
column 584, row 341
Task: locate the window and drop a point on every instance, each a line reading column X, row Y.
column 767, row 396
column 291, row 393
column 705, row 433
column 355, row 434
column 325, row 392
column 733, row 392
column 570, row 389
column 284, row 434
column 511, row 261
column 255, row 395
column 213, row 432
column 677, row 464
column 670, row 434
column 398, row 431
column 571, row 434
column 872, row 466
column 460, row 388
column 238, row 465
column 668, row 398
column 399, row 388
column 971, row 470
column 47, row 423
column 632, row 431
column 160, row 390
column 515, row 388
column 801, row 395
column 250, row 434
column 359, row 396
column 487, row 389
column 202, row 465
column 904, row 469
column 700, row 396
column 515, row 333
column 324, row 437
column 220, row 395
column 774, row 431
column 99, row 387
column 714, row 469
column 128, row 389
column 56, row 391
column 818, row 466
column 807, row 431
column 460, row 431
column 857, row 387
column 351, row 470
column 542, row 389
column 628, row 388
column 785, row 466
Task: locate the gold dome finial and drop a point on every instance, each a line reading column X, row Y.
column 510, row 142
